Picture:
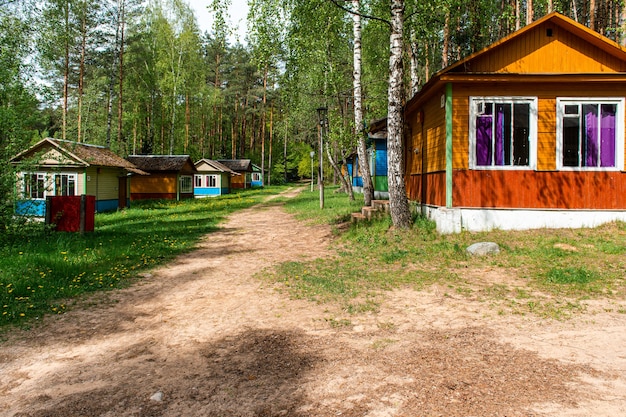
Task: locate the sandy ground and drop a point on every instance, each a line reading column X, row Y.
column 204, row 337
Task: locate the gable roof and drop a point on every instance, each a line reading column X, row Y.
column 81, row 154
column 161, row 163
column 550, row 22
column 531, row 55
column 217, row 166
column 237, row 165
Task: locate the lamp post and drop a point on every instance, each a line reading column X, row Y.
column 322, row 117
column 312, row 156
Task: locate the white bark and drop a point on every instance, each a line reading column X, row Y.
column 364, row 166
column 398, row 202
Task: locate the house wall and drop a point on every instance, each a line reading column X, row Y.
column 425, row 152
column 544, row 187
column 103, row 183
column 154, row 186
column 240, row 181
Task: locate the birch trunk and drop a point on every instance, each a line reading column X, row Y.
column 364, row 166
column 398, row 202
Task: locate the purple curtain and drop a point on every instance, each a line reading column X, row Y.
column 500, row 136
column 483, row 140
column 591, row 129
column 607, row 136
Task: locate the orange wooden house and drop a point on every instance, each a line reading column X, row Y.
column 171, row 177
column 526, row 133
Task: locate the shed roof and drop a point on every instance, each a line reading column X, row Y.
column 161, row 163
column 217, row 166
column 82, row 154
column 238, row 165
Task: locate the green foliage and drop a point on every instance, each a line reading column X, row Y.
column 43, row 271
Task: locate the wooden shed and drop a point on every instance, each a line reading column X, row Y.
column 55, row 167
column 212, row 178
column 377, row 153
column 526, row 133
column 171, row 177
column 240, row 166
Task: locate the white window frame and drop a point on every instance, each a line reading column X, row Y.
column 188, row 187
column 197, row 181
column 70, row 177
column 532, row 131
column 211, row 179
column 619, row 131
column 49, row 181
column 256, row 176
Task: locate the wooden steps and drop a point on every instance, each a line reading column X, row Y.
column 377, row 209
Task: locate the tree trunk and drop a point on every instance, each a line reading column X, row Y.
column 81, row 75
column 592, row 14
column 269, row 162
column 66, row 69
column 413, row 56
column 529, row 12
column 446, row 41
column 265, row 71
column 120, row 102
column 398, row 202
column 112, row 81
column 364, row 166
column 344, row 183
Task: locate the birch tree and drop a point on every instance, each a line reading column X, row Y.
column 398, row 202
column 364, row 166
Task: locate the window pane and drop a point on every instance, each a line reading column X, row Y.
column 590, row 148
column 607, row 135
column 571, row 141
column 571, row 109
column 483, row 140
column 521, row 134
column 503, row 135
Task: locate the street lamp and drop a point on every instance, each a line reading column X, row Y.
column 312, row 156
column 322, row 117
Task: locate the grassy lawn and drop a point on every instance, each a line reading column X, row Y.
column 543, row 272
column 43, row 271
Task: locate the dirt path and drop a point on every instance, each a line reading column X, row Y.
column 203, row 337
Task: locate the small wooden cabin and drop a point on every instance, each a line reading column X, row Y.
column 526, row 133
column 377, row 152
column 55, row 167
column 171, row 177
column 244, row 168
column 212, row 179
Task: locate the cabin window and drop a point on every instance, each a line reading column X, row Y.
column 256, row 176
column 211, row 181
column 64, row 184
column 590, row 134
column 197, row 181
column 34, row 185
column 185, row 184
column 502, row 132
column 40, row 185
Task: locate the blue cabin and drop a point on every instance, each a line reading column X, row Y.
column 377, row 154
column 213, row 178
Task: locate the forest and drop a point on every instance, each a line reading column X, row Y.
column 141, row 78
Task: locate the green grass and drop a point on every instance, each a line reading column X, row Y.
column 43, row 271
column 557, row 268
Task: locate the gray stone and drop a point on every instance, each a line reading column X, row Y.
column 157, row 396
column 483, row 248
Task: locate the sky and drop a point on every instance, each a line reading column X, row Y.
column 238, row 12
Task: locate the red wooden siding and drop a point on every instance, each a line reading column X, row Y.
column 428, row 188
column 546, row 190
